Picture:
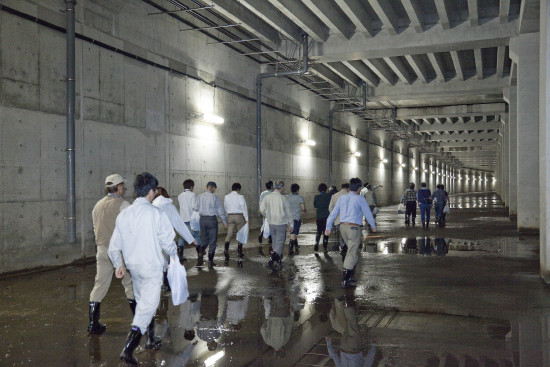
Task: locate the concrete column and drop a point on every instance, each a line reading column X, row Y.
column 505, row 164
column 511, row 154
column 544, row 136
column 524, row 49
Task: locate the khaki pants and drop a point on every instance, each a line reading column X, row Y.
column 351, row 235
column 104, row 276
column 234, row 220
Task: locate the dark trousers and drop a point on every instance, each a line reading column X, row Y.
column 410, row 209
column 209, row 232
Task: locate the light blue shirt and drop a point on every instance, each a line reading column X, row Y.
column 208, row 204
column 351, row 208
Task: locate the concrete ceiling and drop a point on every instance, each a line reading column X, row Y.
column 442, row 65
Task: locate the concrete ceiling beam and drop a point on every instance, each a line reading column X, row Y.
column 465, row 137
column 459, row 144
column 414, row 12
column 479, row 63
column 491, row 86
column 479, row 148
column 363, row 72
column 437, row 64
column 529, row 16
column 387, row 15
column 274, row 17
column 458, row 66
column 409, row 42
column 418, row 66
column 443, row 13
column 461, row 127
column 399, row 69
column 304, row 18
column 504, row 11
column 473, row 11
column 357, row 13
column 250, row 21
column 332, row 16
column 328, row 75
column 345, row 73
column 381, row 69
column 485, row 109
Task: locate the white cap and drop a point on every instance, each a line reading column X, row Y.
column 113, row 180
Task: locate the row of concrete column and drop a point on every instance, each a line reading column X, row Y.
column 523, row 168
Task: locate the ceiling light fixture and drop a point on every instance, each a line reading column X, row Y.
column 309, row 142
column 208, row 117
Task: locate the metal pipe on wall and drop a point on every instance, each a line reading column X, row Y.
column 70, row 149
column 302, row 70
column 331, row 125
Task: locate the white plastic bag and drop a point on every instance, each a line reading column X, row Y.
column 401, row 209
column 446, row 209
column 242, row 235
column 265, row 229
column 375, row 210
column 177, row 278
column 195, row 221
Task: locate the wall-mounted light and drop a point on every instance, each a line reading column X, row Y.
column 309, row 142
column 425, row 171
column 208, row 117
column 403, row 165
column 416, row 168
column 357, row 154
column 384, row 160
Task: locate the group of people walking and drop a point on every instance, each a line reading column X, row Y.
column 424, row 199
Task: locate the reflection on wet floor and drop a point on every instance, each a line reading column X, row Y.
column 424, row 298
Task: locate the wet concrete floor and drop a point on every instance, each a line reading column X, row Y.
column 468, row 294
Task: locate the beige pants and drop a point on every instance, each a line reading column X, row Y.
column 104, row 275
column 351, row 235
column 234, row 221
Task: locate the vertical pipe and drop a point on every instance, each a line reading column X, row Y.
column 391, row 172
column 368, row 154
column 70, row 150
column 330, row 130
column 259, row 134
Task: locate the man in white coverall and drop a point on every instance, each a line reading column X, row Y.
column 141, row 233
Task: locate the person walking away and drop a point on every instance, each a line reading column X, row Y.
column 141, row 234
column 297, row 207
column 104, row 216
column 237, row 216
column 424, row 196
column 439, row 198
column 209, row 207
column 268, row 190
column 274, row 207
column 370, row 197
column 351, row 208
column 163, row 202
column 186, row 200
column 321, row 203
column 409, row 199
column 343, row 191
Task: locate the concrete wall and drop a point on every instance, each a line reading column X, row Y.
column 134, row 117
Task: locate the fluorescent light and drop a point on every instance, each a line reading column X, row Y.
column 210, row 361
column 357, row 154
column 384, row 160
column 309, row 142
column 416, row 168
column 403, row 165
column 208, row 117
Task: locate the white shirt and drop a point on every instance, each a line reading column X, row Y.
column 167, row 207
column 142, row 231
column 186, row 200
column 234, row 203
column 208, row 204
column 274, row 207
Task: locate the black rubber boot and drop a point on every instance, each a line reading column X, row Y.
column 280, row 262
column 94, row 327
column 132, row 341
column 352, row 279
column 297, row 250
column 344, row 252
column 152, row 343
column 211, row 262
column 180, row 255
column 226, row 251
column 200, row 259
column 325, row 243
column 291, row 247
column 317, row 238
column 165, row 285
column 423, row 224
column 240, row 250
column 272, row 260
column 261, row 237
column 346, row 283
column 133, row 304
column 427, row 224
